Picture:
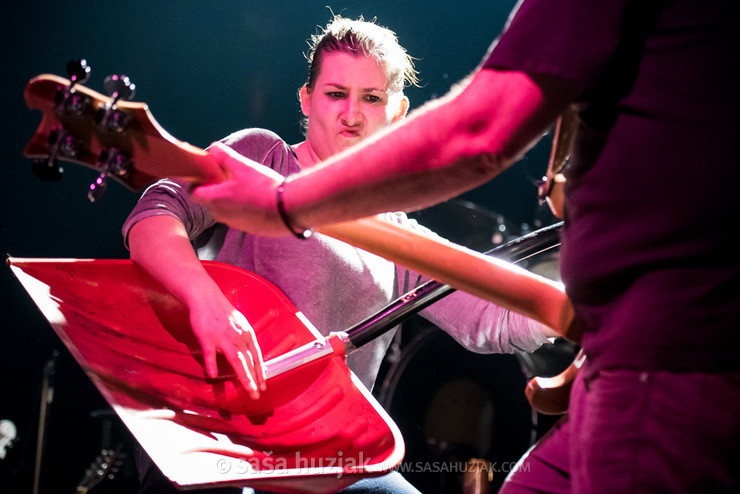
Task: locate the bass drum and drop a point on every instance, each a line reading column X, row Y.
column 453, row 406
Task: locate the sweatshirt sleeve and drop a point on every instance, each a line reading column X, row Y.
column 169, row 197
column 478, row 325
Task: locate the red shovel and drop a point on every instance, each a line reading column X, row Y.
column 315, row 428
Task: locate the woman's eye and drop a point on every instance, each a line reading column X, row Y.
column 335, row 94
column 372, row 98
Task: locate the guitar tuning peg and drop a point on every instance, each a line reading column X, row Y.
column 98, row 188
column 111, row 162
column 67, row 100
column 62, row 145
column 108, row 117
column 78, row 71
column 119, row 87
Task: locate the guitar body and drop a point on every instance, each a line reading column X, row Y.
column 315, row 423
column 551, row 395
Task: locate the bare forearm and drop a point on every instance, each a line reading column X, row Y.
column 447, row 147
column 160, row 245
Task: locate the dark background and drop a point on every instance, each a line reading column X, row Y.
column 206, row 69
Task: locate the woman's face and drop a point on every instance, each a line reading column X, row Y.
column 349, row 102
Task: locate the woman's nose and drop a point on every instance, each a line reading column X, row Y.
column 351, row 113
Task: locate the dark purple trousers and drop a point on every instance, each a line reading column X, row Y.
column 631, row 431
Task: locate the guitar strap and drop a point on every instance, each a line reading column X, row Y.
column 551, row 189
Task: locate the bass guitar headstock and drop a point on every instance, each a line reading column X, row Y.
column 104, row 467
column 110, row 134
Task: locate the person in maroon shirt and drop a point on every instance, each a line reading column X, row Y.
column 648, row 257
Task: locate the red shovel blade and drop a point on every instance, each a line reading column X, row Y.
column 316, row 428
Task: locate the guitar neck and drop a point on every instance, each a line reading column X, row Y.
column 489, row 278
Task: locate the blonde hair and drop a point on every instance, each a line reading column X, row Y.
column 361, row 37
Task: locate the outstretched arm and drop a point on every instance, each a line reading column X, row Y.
column 160, row 245
column 448, row 146
column 484, row 327
column 477, row 324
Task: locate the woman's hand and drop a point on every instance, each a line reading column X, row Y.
column 220, row 327
column 247, row 199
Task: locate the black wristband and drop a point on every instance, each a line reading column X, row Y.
column 302, row 234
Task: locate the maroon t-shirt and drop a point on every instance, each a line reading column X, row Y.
column 649, row 255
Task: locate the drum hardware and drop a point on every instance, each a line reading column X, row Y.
column 47, row 397
column 478, row 477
